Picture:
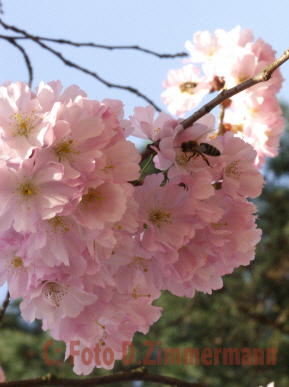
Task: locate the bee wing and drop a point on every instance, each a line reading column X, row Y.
column 202, row 148
column 204, row 135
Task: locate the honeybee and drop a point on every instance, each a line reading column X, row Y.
column 195, row 149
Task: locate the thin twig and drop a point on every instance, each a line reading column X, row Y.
column 263, row 76
column 138, row 374
column 221, row 119
column 4, row 306
column 26, row 57
column 84, row 70
column 95, row 45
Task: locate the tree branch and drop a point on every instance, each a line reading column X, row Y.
column 106, row 47
column 78, row 67
column 263, row 76
column 138, row 374
column 26, row 57
column 4, row 306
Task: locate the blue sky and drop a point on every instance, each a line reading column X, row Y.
column 160, row 25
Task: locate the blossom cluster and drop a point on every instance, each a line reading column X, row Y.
column 227, row 59
column 87, row 240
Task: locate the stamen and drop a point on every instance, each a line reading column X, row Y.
column 23, row 123
column 92, row 200
column 136, row 296
column 232, row 170
column 58, row 224
column 217, row 226
column 140, row 263
column 55, row 293
column 15, row 265
column 65, row 149
column 160, row 216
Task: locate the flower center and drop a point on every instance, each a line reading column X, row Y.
column 160, row 216
column 16, row 264
column 188, row 87
column 27, row 190
column 23, row 123
column 58, row 224
column 182, row 158
column 54, row 293
column 253, row 112
column 232, row 170
column 92, row 199
column 65, row 149
column 217, row 226
column 109, row 166
column 140, row 263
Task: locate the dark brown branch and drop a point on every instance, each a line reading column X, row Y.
column 26, row 57
column 263, row 76
column 78, row 67
column 4, row 306
column 133, row 47
column 138, row 374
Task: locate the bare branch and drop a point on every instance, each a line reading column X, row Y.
column 4, row 306
column 263, row 76
column 26, row 57
column 138, row 374
column 133, row 47
column 78, row 67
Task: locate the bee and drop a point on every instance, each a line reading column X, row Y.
column 195, row 149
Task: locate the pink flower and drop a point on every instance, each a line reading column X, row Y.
column 171, row 154
column 29, row 194
column 121, row 162
column 163, row 214
column 239, row 175
column 204, row 47
column 185, row 88
column 23, row 122
column 100, row 204
column 53, row 301
column 50, row 93
column 55, row 241
column 144, row 125
column 77, row 137
column 12, row 264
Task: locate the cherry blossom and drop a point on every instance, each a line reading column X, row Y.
column 228, row 59
column 89, row 240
